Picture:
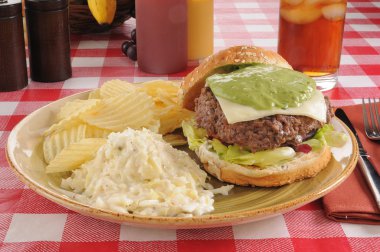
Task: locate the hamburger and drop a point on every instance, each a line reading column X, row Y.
column 257, row 121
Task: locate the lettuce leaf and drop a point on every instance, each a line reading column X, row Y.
column 195, row 136
column 327, row 136
column 315, row 144
column 238, row 155
column 234, row 153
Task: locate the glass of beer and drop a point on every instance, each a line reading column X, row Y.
column 310, row 37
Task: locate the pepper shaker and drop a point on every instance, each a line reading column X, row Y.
column 49, row 40
column 13, row 71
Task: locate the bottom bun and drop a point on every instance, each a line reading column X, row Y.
column 301, row 167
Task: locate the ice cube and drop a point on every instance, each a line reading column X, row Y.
column 293, row 2
column 302, row 14
column 334, row 11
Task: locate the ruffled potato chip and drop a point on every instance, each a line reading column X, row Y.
column 160, row 90
column 63, row 125
column 94, row 94
column 55, row 143
column 73, row 108
column 134, row 110
column 175, row 139
column 173, row 119
column 69, row 114
column 74, row 155
column 95, row 132
column 168, row 110
column 115, row 87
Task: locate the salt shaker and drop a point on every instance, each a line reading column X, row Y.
column 13, row 72
column 49, row 40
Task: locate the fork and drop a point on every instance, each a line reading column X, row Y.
column 371, row 128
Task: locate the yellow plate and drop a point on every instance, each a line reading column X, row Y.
column 244, row 204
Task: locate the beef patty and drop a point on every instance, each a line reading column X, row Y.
column 261, row 134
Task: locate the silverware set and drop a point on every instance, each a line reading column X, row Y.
column 367, row 168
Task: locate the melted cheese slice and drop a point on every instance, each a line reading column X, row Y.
column 315, row 108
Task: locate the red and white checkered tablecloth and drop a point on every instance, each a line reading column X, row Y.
column 29, row 222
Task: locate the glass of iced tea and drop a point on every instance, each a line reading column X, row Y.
column 310, row 37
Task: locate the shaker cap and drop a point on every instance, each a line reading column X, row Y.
column 46, row 5
column 10, row 8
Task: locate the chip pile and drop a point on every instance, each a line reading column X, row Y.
column 83, row 125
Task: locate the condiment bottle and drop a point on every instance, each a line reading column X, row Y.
column 200, row 35
column 49, row 39
column 13, row 71
column 161, row 28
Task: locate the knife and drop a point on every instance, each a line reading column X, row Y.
column 369, row 172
